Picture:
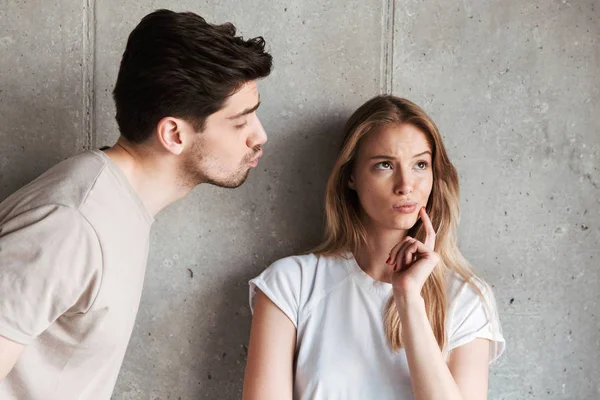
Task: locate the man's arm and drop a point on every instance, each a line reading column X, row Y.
column 9, row 354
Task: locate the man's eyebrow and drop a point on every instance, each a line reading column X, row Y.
column 246, row 111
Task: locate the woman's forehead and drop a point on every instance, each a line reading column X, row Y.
column 395, row 140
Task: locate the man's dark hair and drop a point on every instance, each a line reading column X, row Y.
column 178, row 65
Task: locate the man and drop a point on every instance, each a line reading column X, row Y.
column 74, row 242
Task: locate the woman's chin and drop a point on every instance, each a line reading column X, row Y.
column 404, row 222
column 399, row 222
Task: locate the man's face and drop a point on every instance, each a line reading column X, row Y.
column 230, row 144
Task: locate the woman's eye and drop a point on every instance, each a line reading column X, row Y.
column 422, row 165
column 241, row 125
column 383, row 165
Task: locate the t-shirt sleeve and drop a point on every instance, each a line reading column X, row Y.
column 281, row 283
column 472, row 317
column 50, row 265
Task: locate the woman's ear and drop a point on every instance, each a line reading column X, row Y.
column 351, row 184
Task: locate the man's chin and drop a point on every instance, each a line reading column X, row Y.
column 231, row 183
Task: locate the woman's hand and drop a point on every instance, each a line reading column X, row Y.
column 413, row 261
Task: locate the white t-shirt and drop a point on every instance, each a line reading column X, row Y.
column 341, row 348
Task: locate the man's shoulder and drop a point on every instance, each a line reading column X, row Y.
column 67, row 184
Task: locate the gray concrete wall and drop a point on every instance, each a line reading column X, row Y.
column 513, row 86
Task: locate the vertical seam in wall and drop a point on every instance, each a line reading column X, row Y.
column 88, row 64
column 387, row 47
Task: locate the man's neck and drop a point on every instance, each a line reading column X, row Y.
column 150, row 173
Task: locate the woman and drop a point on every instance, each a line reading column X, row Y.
column 386, row 307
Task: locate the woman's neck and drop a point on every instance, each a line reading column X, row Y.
column 372, row 257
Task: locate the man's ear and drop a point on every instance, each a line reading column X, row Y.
column 169, row 132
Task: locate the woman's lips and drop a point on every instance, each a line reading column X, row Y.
column 405, row 207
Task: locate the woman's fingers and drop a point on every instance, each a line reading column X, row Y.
column 396, row 250
column 410, row 253
column 406, row 252
column 429, row 231
column 401, row 262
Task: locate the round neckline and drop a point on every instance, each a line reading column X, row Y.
column 365, row 280
column 120, row 175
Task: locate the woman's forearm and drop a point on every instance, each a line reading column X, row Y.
column 430, row 377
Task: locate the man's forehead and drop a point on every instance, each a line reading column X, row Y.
column 248, row 92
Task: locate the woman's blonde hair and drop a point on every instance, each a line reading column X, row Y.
column 344, row 230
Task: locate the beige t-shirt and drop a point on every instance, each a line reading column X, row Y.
column 73, row 252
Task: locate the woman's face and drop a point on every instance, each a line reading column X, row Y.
column 393, row 176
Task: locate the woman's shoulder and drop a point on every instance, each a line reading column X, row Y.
column 308, row 273
column 310, row 264
column 466, row 294
column 467, row 288
column 294, row 262
column 296, row 283
column 473, row 313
